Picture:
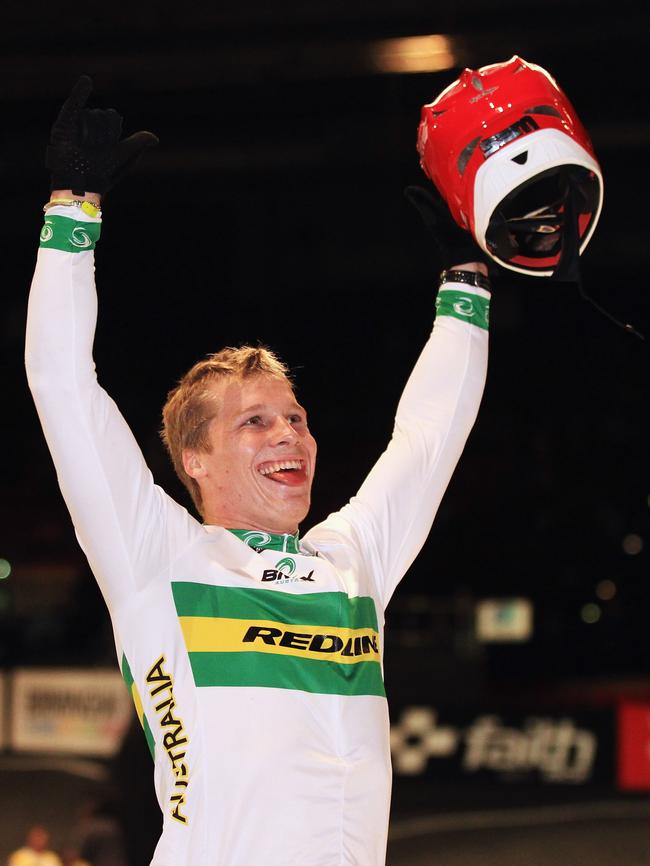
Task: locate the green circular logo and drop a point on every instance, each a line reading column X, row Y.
column 256, row 538
column 286, row 566
column 80, row 238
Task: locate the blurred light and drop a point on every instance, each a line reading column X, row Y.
column 5, row 569
column 504, row 619
column 606, row 590
column 632, row 544
column 414, row 54
column 590, row 613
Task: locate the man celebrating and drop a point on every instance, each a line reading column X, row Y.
column 254, row 657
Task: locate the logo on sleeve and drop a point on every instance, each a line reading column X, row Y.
column 80, row 238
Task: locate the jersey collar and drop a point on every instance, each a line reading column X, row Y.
column 259, row 540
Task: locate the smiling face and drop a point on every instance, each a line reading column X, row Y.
column 260, row 467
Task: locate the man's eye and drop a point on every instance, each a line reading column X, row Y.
column 295, row 419
column 253, row 421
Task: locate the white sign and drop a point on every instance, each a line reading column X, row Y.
column 556, row 749
column 504, row 619
column 81, row 712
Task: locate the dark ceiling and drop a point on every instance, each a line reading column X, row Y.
column 273, row 211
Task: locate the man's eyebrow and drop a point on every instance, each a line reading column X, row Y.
column 259, row 406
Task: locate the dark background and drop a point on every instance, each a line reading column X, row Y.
column 273, row 212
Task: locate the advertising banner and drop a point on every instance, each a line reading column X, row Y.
column 81, row 712
column 547, row 748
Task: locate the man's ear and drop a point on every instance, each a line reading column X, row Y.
column 193, row 463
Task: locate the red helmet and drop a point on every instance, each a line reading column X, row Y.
column 507, row 151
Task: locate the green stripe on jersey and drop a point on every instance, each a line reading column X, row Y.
column 135, row 695
column 287, row 672
column 463, row 305
column 68, row 235
column 316, row 608
column 126, row 672
column 322, row 642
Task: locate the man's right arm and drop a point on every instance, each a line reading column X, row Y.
column 128, row 527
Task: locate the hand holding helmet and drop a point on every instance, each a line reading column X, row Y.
column 509, row 155
column 455, row 246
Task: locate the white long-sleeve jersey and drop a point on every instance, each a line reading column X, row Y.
column 254, row 660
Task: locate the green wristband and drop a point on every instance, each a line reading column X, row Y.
column 466, row 306
column 68, row 235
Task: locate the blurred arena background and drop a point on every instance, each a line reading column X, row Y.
column 273, row 211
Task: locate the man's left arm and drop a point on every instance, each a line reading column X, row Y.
column 391, row 515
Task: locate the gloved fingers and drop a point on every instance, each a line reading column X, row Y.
column 100, row 128
column 130, row 150
column 133, row 146
column 139, row 141
column 429, row 208
column 455, row 245
column 67, row 119
column 430, row 197
column 85, row 151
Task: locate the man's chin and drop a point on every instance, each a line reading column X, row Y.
column 290, row 516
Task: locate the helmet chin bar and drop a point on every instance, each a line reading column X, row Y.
column 538, row 224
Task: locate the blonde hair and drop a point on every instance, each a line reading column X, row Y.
column 191, row 405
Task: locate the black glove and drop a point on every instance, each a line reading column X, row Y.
column 454, row 245
column 85, row 153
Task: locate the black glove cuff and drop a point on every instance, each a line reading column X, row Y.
column 461, row 248
column 80, row 184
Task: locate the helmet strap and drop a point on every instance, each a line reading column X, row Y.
column 568, row 267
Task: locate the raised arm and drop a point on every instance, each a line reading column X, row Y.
column 388, row 521
column 128, row 528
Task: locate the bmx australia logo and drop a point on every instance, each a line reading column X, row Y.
column 286, row 566
column 285, row 572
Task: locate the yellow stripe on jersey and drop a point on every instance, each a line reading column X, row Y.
column 220, row 634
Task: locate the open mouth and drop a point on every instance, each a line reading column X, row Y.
column 290, row 472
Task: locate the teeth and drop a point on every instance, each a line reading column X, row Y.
column 268, row 468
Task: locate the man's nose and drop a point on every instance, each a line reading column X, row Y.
column 283, row 431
